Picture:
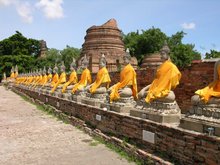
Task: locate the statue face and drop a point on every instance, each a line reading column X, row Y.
column 126, row 60
column 164, row 55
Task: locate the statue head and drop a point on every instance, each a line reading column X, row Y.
column 40, row 71
column 164, row 52
column 102, row 61
column 4, row 76
column 216, row 70
column 16, row 68
column 73, row 65
column 49, row 71
column 44, row 71
column 85, row 62
column 62, row 67
column 127, row 57
column 12, row 69
column 55, row 69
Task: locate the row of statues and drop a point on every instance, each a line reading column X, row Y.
column 157, row 94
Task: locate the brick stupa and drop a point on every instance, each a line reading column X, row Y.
column 105, row 39
column 152, row 61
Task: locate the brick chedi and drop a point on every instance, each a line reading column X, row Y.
column 152, row 61
column 105, row 39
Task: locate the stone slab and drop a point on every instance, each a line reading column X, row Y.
column 92, row 102
column 157, row 117
column 199, row 125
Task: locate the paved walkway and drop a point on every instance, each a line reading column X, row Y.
column 29, row 136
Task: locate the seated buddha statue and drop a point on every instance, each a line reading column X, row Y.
column 211, row 93
column 48, row 81
column 102, row 81
column 39, row 78
column 127, row 87
column 4, row 79
column 85, row 79
column 12, row 75
column 55, row 76
column 16, row 72
column 44, row 77
column 61, row 80
column 72, row 79
column 166, row 79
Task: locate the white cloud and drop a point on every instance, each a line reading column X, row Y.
column 188, row 26
column 25, row 12
column 23, row 8
column 6, row 2
column 52, row 8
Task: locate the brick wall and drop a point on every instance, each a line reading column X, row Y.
column 185, row 146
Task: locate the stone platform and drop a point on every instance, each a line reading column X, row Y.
column 156, row 116
column 158, row 111
column 203, row 118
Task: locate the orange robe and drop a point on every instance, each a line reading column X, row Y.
column 167, row 78
column 212, row 90
column 72, row 80
column 102, row 77
column 85, row 79
column 61, row 80
column 54, row 79
column 127, row 77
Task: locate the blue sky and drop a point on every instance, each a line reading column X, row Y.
column 64, row 22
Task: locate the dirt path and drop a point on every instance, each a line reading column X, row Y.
column 28, row 136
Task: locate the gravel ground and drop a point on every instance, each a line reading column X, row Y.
column 29, row 136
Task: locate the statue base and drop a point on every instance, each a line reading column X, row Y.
column 78, row 96
column 123, row 105
column 204, row 118
column 94, row 99
column 158, row 111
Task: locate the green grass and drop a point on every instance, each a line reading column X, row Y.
column 94, row 143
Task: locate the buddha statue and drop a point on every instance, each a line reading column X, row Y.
column 48, row 81
column 44, row 77
column 38, row 79
column 4, row 79
column 61, row 80
column 204, row 115
column 166, row 79
column 97, row 91
column 211, row 93
column 122, row 94
column 55, row 76
column 85, row 77
column 72, row 79
column 16, row 71
column 31, row 78
column 35, row 78
column 102, row 81
column 126, row 90
column 12, row 76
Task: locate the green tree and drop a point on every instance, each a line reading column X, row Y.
column 196, row 55
column 181, row 54
column 67, row 55
column 17, row 44
column 149, row 41
column 56, row 56
column 25, row 63
column 53, row 57
column 212, row 54
column 152, row 40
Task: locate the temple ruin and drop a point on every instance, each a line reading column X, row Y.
column 105, row 39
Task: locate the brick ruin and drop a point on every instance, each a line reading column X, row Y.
column 105, row 39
